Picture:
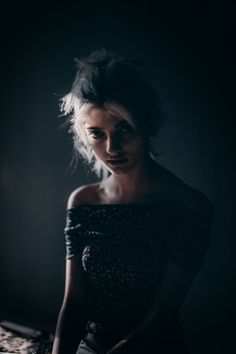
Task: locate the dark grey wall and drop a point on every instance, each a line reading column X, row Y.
column 188, row 52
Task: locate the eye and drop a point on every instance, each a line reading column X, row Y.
column 126, row 128
column 96, row 134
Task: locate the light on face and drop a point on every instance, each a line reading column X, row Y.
column 100, row 125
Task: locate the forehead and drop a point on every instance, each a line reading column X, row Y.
column 102, row 117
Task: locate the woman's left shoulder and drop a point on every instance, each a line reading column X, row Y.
column 187, row 196
column 194, row 199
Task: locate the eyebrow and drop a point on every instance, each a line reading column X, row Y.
column 116, row 126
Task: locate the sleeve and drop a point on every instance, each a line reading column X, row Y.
column 191, row 238
column 74, row 234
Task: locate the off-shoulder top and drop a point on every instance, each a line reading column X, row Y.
column 124, row 250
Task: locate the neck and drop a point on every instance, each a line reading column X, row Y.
column 131, row 185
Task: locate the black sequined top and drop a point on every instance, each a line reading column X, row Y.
column 124, row 250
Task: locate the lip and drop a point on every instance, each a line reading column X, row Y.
column 116, row 162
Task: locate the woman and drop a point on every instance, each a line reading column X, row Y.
column 136, row 239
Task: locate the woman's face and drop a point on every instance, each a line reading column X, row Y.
column 116, row 143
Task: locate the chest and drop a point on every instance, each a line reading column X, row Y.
column 127, row 249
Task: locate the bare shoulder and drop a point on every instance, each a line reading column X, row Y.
column 86, row 194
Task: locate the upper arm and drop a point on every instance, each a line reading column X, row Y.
column 76, row 282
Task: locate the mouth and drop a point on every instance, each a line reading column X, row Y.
column 117, row 162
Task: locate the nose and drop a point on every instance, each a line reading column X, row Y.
column 113, row 145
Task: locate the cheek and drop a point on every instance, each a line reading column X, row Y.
column 135, row 145
column 97, row 147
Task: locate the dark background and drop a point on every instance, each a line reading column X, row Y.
column 188, row 49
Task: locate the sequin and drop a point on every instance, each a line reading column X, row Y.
column 124, row 250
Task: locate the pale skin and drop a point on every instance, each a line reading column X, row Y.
column 135, row 179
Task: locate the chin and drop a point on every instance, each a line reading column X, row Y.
column 119, row 170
